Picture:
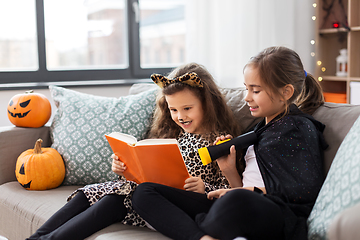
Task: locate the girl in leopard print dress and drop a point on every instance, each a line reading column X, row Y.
column 189, row 108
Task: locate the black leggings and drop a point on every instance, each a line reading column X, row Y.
column 180, row 214
column 77, row 220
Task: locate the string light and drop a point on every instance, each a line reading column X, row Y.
column 312, row 42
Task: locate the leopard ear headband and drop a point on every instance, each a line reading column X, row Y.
column 191, row 79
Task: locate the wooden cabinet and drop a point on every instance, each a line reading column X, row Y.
column 330, row 40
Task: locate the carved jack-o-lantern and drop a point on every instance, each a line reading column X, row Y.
column 40, row 168
column 29, row 110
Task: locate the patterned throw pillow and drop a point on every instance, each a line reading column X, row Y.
column 81, row 122
column 341, row 188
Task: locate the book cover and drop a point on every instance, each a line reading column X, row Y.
column 150, row 160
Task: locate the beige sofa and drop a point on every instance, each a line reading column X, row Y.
column 23, row 211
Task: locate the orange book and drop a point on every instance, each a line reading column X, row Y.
column 150, row 160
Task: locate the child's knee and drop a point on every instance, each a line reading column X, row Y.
column 239, row 196
column 141, row 191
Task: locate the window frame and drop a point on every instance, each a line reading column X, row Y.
column 42, row 78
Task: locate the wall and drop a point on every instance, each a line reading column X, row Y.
column 108, row 91
column 223, row 35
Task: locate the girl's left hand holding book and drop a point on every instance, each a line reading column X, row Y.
column 118, row 166
column 194, row 184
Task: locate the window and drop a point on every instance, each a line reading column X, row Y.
column 93, row 35
column 162, row 32
column 18, row 44
column 73, row 42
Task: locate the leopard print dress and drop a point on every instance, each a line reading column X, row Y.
column 188, row 143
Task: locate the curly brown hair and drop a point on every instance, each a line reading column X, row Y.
column 218, row 117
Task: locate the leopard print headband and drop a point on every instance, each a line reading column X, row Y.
column 191, row 79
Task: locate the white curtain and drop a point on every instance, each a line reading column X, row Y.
column 223, row 34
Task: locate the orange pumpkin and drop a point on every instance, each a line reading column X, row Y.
column 29, row 110
column 40, row 168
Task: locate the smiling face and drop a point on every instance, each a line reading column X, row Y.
column 186, row 110
column 258, row 99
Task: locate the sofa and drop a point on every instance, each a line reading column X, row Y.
column 23, row 211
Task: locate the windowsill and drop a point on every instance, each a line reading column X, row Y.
column 94, row 83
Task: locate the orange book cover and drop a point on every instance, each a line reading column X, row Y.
column 150, row 160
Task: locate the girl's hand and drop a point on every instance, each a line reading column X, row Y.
column 222, row 138
column 194, row 184
column 227, row 165
column 117, row 166
column 229, row 161
column 218, row 193
column 221, row 192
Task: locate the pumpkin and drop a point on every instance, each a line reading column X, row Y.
column 29, row 110
column 40, row 168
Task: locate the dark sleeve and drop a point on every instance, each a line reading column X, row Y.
column 290, row 160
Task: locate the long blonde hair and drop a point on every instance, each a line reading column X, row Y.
column 279, row 66
column 218, row 117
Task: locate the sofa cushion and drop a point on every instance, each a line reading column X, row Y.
column 338, row 119
column 28, row 210
column 142, row 87
column 81, row 122
column 341, row 188
column 23, row 212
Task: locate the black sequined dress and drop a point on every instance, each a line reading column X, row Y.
column 290, row 158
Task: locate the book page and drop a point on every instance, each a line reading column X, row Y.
column 123, row 137
column 156, row 141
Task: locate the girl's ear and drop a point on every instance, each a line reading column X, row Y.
column 288, row 91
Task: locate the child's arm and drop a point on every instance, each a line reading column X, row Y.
column 221, row 192
column 218, row 193
column 117, row 167
column 227, row 165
